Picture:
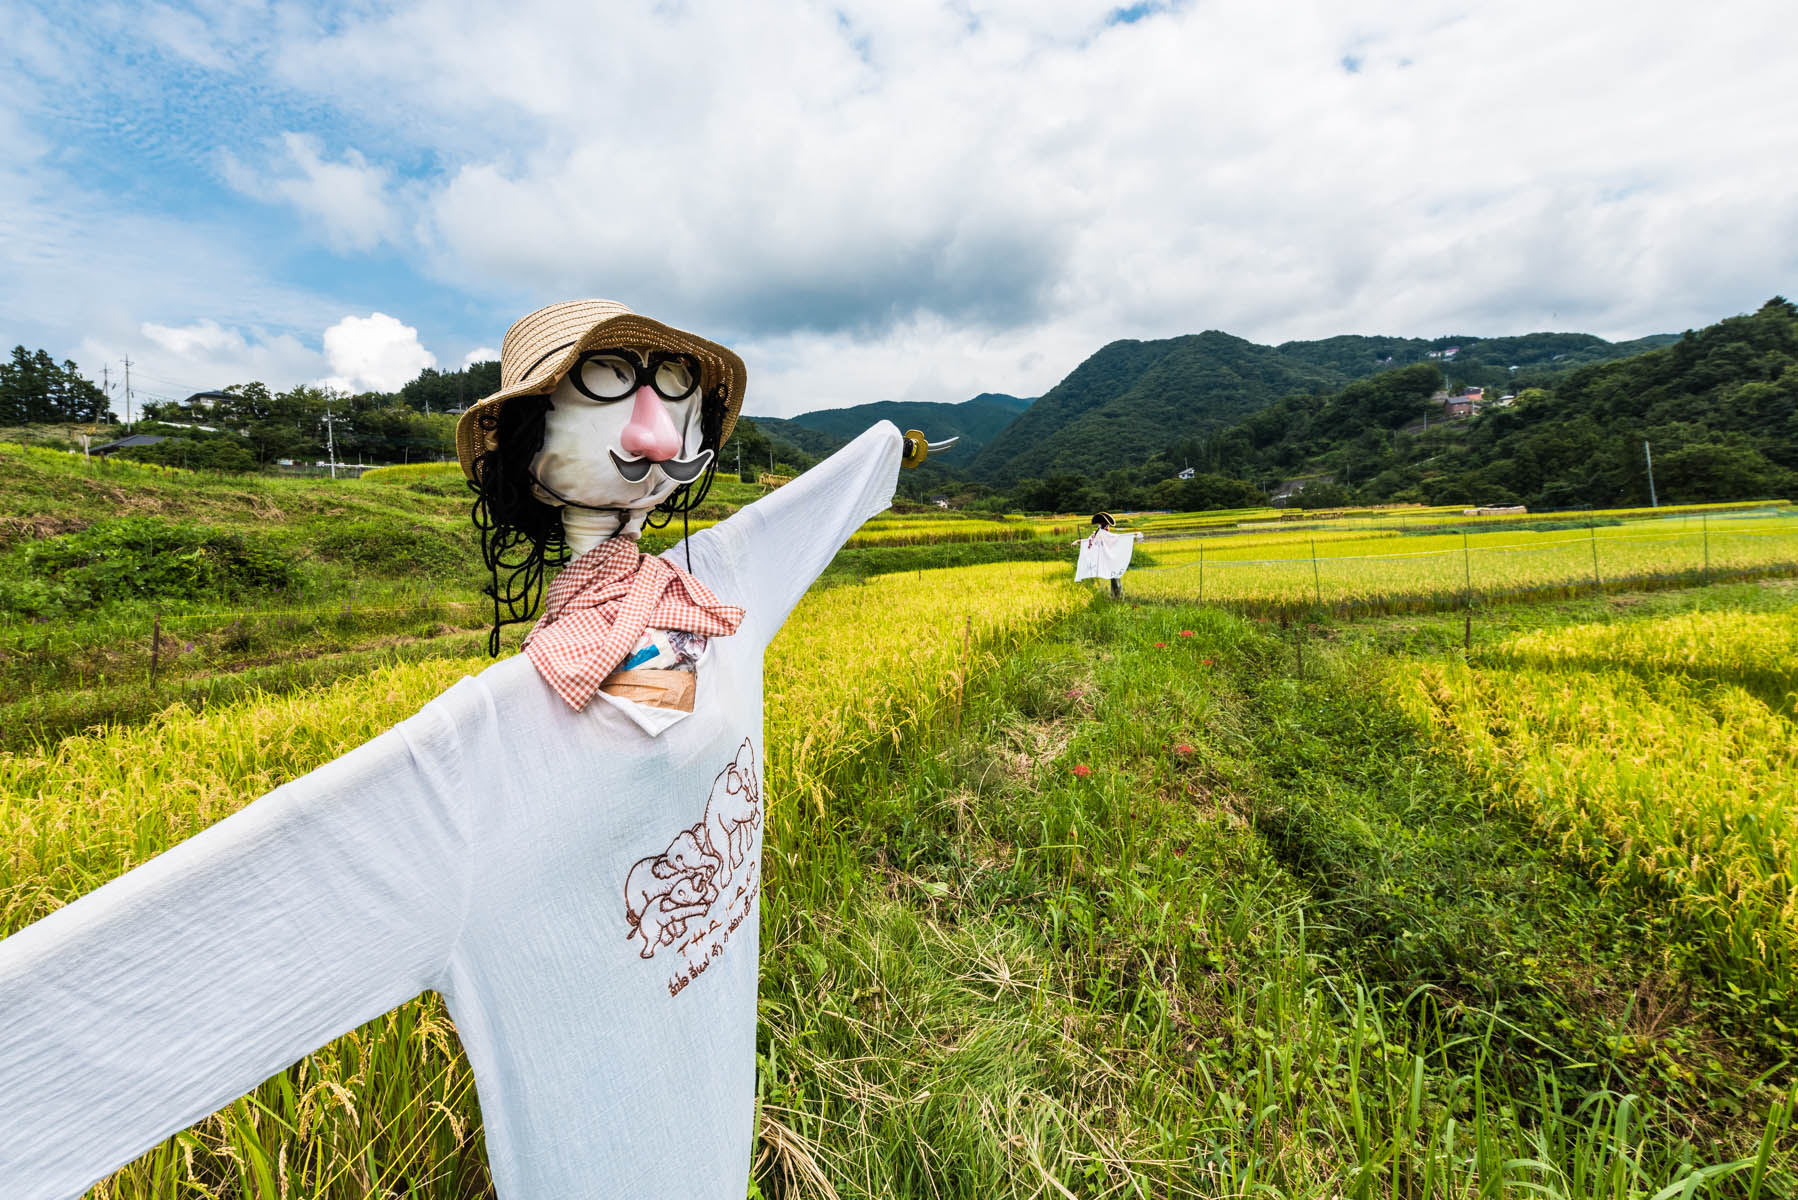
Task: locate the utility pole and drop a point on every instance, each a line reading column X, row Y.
column 330, row 442
column 1652, row 502
column 127, row 389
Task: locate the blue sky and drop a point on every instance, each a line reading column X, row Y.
column 877, row 201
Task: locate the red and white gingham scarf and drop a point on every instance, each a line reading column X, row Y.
column 597, row 609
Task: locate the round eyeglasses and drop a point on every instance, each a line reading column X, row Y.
column 608, row 375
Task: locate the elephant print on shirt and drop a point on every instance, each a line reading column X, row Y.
column 663, row 892
column 732, row 812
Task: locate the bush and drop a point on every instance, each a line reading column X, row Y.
column 137, row 558
column 221, row 452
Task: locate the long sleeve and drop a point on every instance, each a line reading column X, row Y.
column 162, row 996
column 774, row 549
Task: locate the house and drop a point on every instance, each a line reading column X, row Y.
column 136, row 439
column 1185, row 473
column 1455, row 408
column 1292, row 487
column 205, row 399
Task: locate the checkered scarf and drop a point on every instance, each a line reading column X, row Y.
column 597, row 609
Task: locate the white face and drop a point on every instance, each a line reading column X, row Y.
column 608, row 443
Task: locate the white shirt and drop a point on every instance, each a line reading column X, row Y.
column 583, row 894
column 1105, row 555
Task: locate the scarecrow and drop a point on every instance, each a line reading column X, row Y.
column 567, row 847
column 1106, row 554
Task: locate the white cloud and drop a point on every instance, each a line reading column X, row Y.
column 842, row 181
column 874, row 200
column 350, row 201
column 374, row 353
column 480, row 354
column 205, row 355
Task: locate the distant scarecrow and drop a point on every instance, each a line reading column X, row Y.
column 567, row 847
column 1105, row 554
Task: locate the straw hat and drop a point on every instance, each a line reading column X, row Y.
column 541, row 347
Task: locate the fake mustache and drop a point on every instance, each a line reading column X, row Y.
column 681, row 470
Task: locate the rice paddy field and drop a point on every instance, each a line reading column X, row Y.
column 1310, row 889
column 1378, row 567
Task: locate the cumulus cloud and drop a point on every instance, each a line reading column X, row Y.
column 1140, row 172
column 480, row 354
column 932, row 201
column 374, row 353
column 170, row 362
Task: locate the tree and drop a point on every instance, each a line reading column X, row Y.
column 35, row 390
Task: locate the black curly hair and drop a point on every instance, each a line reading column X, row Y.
column 520, row 534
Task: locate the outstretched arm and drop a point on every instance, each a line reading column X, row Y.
column 772, row 550
column 159, row 998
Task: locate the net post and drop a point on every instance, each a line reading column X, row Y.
column 1592, row 534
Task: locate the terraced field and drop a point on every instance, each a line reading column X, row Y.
column 1071, row 897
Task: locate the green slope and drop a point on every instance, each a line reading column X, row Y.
column 976, row 422
column 1719, row 406
column 1133, row 399
column 1124, row 403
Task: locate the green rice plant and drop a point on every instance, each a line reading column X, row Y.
column 1663, row 754
column 986, row 974
column 1375, row 571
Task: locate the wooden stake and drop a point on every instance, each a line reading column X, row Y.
column 1706, row 526
column 1592, row 532
column 155, row 646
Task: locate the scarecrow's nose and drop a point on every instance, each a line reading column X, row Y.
column 650, row 433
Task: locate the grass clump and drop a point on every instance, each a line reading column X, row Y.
column 136, row 558
column 393, row 547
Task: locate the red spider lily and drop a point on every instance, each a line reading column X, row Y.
column 1182, row 748
column 1210, row 662
column 1161, row 645
column 1186, row 633
column 1082, row 770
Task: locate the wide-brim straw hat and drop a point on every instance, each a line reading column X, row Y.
column 540, row 348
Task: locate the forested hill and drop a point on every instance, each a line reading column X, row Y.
column 1719, row 407
column 1132, row 399
column 1480, row 362
column 1120, row 406
column 974, row 421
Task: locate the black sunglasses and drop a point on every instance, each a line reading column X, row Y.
column 607, row 375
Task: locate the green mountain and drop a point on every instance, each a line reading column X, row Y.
column 1719, row 406
column 976, row 422
column 1121, row 405
column 1133, row 399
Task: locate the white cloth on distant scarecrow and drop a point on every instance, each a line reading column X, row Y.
column 583, row 894
column 1105, row 555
